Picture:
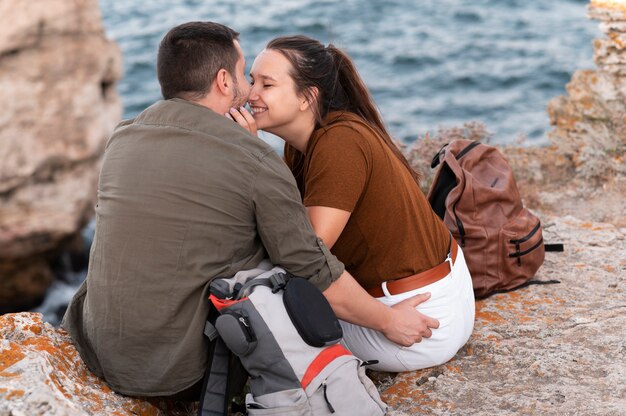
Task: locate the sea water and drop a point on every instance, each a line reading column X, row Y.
column 427, row 63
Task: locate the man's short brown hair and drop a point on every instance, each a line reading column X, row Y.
column 190, row 56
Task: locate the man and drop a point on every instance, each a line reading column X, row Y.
column 187, row 195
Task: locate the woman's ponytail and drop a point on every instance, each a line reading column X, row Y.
column 353, row 95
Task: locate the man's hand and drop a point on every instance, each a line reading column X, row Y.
column 400, row 323
column 242, row 117
column 408, row 326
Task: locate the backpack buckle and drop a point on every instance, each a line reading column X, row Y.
column 278, row 281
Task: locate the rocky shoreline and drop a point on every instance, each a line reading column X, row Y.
column 547, row 349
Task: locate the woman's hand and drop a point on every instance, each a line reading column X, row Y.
column 242, row 117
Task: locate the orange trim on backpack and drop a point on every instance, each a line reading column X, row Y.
column 321, row 361
column 223, row 303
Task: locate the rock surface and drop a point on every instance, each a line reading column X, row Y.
column 545, row 349
column 59, row 105
column 41, row 373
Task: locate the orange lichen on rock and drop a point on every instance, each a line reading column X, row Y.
column 9, row 357
column 38, row 358
column 490, row 317
column 14, row 393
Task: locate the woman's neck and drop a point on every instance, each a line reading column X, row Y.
column 297, row 134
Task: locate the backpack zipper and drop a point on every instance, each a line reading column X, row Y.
column 527, row 236
column 459, row 226
column 518, row 253
column 330, row 406
column 250, row 336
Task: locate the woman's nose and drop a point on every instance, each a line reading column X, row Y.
column 254, row 93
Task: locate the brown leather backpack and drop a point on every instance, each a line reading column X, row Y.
column 475, row 194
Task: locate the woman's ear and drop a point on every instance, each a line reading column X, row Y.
column 309, row 100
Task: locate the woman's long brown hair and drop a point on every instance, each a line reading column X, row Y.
column 331, row 72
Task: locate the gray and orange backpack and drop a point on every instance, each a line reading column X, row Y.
column 283, row 333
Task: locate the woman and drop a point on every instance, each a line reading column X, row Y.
column 362, row 197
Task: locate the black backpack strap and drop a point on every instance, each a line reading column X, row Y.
column 466, row 150
column 224, row 376
column 558, row 247
column 437, row 158
column 276, row 282
column 213, row 400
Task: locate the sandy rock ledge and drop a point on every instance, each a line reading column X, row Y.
column 548, row 349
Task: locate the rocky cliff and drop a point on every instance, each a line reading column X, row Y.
column 590, row 128
column 59, row 105
column 595, row 106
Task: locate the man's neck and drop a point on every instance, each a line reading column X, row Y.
column 219, row 106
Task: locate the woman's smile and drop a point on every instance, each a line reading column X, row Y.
column 257, row 110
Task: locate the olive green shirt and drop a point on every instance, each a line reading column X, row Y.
column 185, row 195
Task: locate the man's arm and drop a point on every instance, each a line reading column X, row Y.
column 401, row 323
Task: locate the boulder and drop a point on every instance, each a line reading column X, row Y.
column 59, row 105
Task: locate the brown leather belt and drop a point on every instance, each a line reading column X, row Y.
column 422, row 279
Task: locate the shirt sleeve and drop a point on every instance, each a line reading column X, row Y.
column 285, row 229
column 338, row 169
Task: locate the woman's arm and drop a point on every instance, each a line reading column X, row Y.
column 401, row 323
column 328, row 223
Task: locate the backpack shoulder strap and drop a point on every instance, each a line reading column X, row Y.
column 276, row 282
column 439, row 155
column 213, row 400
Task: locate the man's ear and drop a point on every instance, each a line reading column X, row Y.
column 309, row 100
column 223, row 81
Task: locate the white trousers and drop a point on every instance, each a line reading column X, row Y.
column 451, row 302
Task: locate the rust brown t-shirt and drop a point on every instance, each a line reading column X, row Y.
column 392, row 231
